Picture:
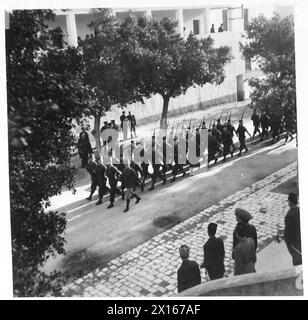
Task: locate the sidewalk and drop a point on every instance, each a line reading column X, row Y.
column 150, row 269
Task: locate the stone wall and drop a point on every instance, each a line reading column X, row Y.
column 287, row 282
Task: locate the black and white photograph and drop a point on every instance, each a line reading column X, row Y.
column 153, row 149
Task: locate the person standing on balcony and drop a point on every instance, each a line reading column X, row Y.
column 221, row 28
column 212, row 29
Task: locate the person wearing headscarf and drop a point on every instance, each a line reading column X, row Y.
column 244, row 253
column 243, row 217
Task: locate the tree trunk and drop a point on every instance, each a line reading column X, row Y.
column 164, row 115
column 97, row 125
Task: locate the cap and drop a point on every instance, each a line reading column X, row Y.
column 243, row 214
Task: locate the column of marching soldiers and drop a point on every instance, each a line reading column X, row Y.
column 132, row 175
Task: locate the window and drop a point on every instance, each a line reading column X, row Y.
column 245, row 19
column 196, row 26
column 225, row 19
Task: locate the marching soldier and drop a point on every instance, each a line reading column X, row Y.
column 264, row 121
column 219, row 126
column 256, row 123
column 213, row 147
column 240, row 132
column 289, row 124
column 230, row 127
column 98, row 179
column 227, row 142
column 113, row 175
column 138, row 169
column 275, row 126
column 129, row 182
column 177, row 167
column 158, row 168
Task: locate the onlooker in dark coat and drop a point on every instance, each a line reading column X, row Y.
column 243, row 217
column 214, row 254
column 189, row 272
column 292, row 234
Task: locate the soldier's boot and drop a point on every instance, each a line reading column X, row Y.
column 90, row 196
column 99, row 202
column 216, row 159
column 110, row 205
column 122, row 192
column 152, row 187
column 137, row 198
column 127, row 206
column 246, row 150
column 224, row 159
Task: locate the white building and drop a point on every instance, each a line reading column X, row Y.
column 195, row 19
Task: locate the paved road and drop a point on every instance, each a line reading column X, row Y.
column 150, row 268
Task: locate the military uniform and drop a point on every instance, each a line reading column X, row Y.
column 98, row 179
column 241, row 130
column 129, row 182
column 113, row 175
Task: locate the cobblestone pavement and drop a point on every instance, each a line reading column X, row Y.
column 151, row 268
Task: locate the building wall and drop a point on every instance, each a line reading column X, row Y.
column 194, row 98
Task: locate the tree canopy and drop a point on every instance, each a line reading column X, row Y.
column 271, row 43
column 44, row 93
column 167, row 64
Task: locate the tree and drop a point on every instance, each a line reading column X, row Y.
column 44, row 93
column 168, row 65
column 106, row 75
column 271, row 43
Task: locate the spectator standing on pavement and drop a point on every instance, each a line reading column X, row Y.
column 84, row 147
column 221, row 28
column 132, row 121
column 244, row 253
column 241, row 130
column 214, row 254
column 189, row 272
column 292, row 235
column 212, row 28
column 243, row 217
